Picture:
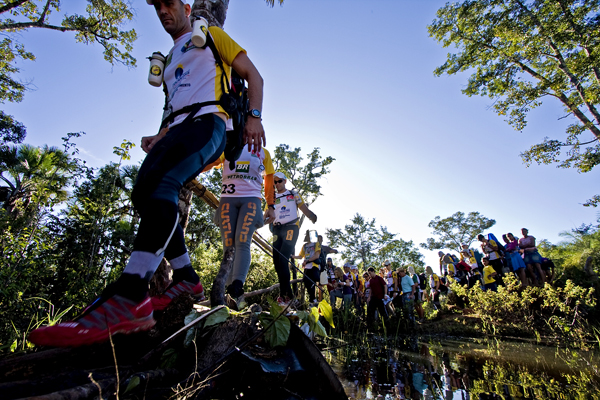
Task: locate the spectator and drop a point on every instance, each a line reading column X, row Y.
column 489, row 273
column 310, row 252
column 337, row 284
column 518, row 265
column 377, row 288
column 531, row 257
column 490, row 249
column 434, row 287
column 445, row 261
column 324, row 274
column 408, row 293
column 418, row 293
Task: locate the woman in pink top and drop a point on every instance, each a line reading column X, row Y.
column 518, row 265
column 531, row 256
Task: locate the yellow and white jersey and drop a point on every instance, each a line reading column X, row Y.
column 246, row 177
column 192, row 75
column 286, row 206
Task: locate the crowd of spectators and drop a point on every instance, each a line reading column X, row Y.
column 386, row 292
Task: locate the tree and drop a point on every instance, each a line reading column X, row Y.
column 361, row 240
column 303, row 176
column 101, row 24
column 523, row 51
column 402, row 254
column 456, row 229
column 34, row 173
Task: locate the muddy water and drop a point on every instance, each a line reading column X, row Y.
column 463, row 369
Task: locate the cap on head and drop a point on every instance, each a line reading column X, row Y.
column 387, row 263
column 329, row 259
column 280, row 175
column 464, row 245
column 354, row 267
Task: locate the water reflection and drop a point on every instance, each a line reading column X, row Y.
column 372, row 368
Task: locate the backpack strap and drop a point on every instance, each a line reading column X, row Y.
column 224, row 102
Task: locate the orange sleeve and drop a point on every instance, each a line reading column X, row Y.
column 269, row 190
column 216, row 164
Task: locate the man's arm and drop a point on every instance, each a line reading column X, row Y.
column 311, row 215
column 254, row 133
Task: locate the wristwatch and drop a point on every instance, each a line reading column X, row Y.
column 255, row 113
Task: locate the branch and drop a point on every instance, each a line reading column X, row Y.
column 12, row 5
column 25, row 25
column 44, row 13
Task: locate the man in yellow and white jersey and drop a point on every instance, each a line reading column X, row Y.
column 285, row 231
column 191, row 137
column 239, row 213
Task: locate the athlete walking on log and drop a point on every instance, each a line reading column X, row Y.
column 239, row 213
column 184, row 146
column 285, row 232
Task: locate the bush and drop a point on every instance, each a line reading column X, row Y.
column 549, row 310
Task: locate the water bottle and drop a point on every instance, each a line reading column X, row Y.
column 157, row 66
column 199, row 31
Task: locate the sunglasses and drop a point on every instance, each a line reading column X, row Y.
column 279, row 181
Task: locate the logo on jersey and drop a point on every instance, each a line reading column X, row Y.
column 289, row 197
column 242, row 166
column 179, row 71
column 187, row 46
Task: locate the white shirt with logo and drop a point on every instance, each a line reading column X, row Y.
column 245, row 179
column 192, row 76
column 286, row 207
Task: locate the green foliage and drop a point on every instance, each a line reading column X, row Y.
column 361, row 240
column 456, row 229
column 102, row 23
column 523, row 51
column 552, row 310
column 402, row 254
column 302, row 175
column 577, row 258
column 277, row 326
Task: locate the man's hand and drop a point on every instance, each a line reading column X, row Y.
column 269, row 216
column 148, row 142
column 254, row 134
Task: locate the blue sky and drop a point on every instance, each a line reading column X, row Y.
column 354, row 78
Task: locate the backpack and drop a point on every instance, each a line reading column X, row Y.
column 501, row 250
column 235, row 103
column 422, row 281
column 322, row 261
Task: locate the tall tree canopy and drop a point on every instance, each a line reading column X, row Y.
column 456, row 229
column 523, row 51
column 302, row 175
column 102, row 23
column 361, row 240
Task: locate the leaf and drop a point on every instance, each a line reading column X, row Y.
column 278, row 333
column 168, row 358
column 191, row 333
column 326, row 312
column 315, row 325
column 217, row 318
column 133, row 383
column 13, row 346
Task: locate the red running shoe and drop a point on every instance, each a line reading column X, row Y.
column 116, row 315
column 161, row 301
